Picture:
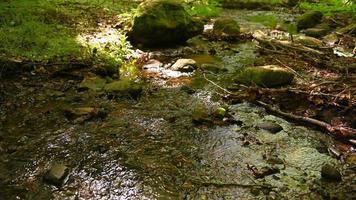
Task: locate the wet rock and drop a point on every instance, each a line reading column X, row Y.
column 163, row 23
column 309, row 19
column 124, row 88
column 57, row 175
column 266, row 76
column 93, row 83
column 226, row 27
column 329, row 172
column 270, row 126
column 184, row 65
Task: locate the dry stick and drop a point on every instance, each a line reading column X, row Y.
column 338, row 132
column 216, row 85
column 296, row 73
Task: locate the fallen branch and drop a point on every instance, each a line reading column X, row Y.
column 336, row 131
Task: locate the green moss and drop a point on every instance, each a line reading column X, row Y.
column 330, row 7
column 267, row 76
column 227, row 26
column 163, row 23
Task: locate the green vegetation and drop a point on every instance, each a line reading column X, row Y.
column 204, row 8
column 61, row 30
column 329, row 7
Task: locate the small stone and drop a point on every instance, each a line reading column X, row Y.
column 270, row 126
column 57, row 174
column 329, row 172
column 184, row 65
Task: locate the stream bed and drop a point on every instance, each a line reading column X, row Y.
column 151, row 148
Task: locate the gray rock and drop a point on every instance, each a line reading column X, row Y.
column 330, row 173
column 57, row 175
column 184, row 65
column 270, row 126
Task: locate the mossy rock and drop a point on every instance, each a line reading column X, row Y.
column 163, row 23
column 309, row 19
column 226, row 27
column 266, row 76
column 125, row 88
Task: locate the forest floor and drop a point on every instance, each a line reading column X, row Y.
column 155, row 145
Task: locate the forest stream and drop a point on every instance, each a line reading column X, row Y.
column 163, row 144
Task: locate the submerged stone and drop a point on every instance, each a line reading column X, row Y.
column 56, row 175
column 329, row 172
column 270, row 126
column 309, row 19
column 124, row 88
column 266, row 76
column 163, row 23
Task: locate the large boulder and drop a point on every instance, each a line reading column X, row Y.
column 309, row 19
column 266, row 76
column 163, row 23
